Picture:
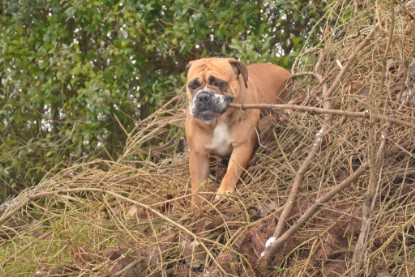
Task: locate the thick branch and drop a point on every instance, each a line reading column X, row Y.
column 308, row 214
column 270, row 247
column 298, row 181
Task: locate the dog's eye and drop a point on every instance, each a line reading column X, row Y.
column 218, row 83
column 222, row 85
column 194, row 85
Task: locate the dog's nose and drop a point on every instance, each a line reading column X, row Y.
column 204, row 97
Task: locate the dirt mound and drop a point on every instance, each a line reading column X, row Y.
column 330, row 191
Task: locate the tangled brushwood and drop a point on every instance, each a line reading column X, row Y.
column 329, row 192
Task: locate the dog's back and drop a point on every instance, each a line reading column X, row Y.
column 266, row 76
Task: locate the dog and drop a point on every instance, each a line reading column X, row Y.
column 213, row 127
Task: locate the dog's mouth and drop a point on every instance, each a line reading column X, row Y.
column 208, row 115
column 208, row 106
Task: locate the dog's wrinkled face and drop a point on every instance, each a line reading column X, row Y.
column 212, row 84
column 208, row 105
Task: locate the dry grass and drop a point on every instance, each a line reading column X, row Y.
column 132, row 218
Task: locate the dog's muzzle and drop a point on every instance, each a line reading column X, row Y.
column 208, row 105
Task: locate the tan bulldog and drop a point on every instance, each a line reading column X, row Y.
column 212, row 127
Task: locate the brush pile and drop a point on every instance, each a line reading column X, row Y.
column 335, row 192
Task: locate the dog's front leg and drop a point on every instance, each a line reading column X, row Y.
column 238, row 161
column 199, row 173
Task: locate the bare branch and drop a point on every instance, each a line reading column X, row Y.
column 365, row 114
column 309, row 213
column 270, row 247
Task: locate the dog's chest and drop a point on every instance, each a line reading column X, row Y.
column 221, row 141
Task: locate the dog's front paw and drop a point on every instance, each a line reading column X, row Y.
column 223, row 191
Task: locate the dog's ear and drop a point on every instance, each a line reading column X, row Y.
column 240, row 69
column 188, row 66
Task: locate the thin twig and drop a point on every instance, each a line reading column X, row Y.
column 119, row 196
column 128, row 267
column 24, row 248
column 365, row 114
column 350, row 60
column 375, row 159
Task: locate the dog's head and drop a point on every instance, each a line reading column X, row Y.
column 212, row 84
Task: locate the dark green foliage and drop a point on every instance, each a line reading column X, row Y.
column 73, row 72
